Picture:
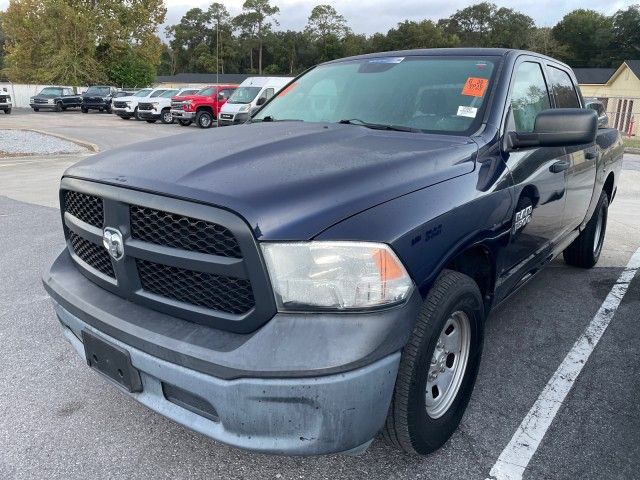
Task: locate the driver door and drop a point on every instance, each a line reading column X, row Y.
column 539, row 184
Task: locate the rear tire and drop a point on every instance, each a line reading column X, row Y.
column 204, row 119
column 437, row 372
column 184, row 123
column 584, row 251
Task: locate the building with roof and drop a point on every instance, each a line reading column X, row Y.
column 619, row 91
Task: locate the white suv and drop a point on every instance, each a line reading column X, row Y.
column 159, row 108
column 127, row 107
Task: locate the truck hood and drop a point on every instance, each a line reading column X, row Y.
column 233, row 107
column 184, row 98
column 289, row 180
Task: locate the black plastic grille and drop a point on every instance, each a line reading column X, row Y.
column 179, row 231
column 120, row 104
column 92, row 254
column 206, row 290
column 145, row 106
column 85, row 207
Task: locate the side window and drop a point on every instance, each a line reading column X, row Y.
column 528, row 97
column 224, row 93
column 563, row 89
column 268, row 93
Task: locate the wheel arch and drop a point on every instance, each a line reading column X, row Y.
column 608, row 186
column 477, row 262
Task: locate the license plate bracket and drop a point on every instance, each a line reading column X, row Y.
column 111, row 361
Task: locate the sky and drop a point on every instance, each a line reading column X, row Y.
column 370, row 16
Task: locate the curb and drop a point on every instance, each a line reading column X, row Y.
column 633, row 150
column 92, row 147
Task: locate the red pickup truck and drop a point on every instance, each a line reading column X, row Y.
column 203, row 107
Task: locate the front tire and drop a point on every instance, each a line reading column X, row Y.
column 84, row 110
column 151, row 121
column 166, row 117
column 58, row 107
column 204, row 119
column 584, row 251
column 7, row 111
column 438, row 367
column 135, row 114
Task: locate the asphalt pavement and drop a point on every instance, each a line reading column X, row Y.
column 59, row 420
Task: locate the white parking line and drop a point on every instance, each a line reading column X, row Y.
column 523, row 445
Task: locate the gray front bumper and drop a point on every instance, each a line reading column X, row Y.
column 293, row 416
column 182, row 115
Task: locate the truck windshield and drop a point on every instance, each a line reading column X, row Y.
column 441, row 94
column 142, row 93
column 101, row 91
column 244, row 94
column 168, row 93
column 51, row 92
column 207, row 92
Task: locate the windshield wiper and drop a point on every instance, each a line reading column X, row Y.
column 269, row 118
column 379, row 126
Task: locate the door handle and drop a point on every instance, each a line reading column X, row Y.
column 590, row 155
column 560, row 166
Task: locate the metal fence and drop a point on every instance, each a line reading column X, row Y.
column 624, row 114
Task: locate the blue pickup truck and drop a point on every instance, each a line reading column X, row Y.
column 325, row 273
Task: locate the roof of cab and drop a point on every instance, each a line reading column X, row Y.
column 462, row 52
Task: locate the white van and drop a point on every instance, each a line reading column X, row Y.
column 251, row 94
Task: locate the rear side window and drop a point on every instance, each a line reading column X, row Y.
column 528, row 97
column 563, row 89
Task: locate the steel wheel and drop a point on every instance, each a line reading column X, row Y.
column 448, row 364
column 167, row 117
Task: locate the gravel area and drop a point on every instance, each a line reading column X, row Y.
column 22, row 142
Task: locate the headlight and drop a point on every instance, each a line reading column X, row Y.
column 128, row 104
column 8, row 98
column 31, row 100
column 335, row 275
column 50, row 100
column 244, row 108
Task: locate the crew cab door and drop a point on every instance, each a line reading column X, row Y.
column 539, row 184
column 580, row 175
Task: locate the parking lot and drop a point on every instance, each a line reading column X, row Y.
column 59, row 420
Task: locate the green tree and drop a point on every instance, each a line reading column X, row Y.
column 50, row 42
column 192, row 30
column 327, row 28
column 131, row 70
column 626, row 34
column 541, row 40
column 261, row 14
column 587, row 35
column 486, row 25
column 78, row 42
column 424, row 34
column 222, row 28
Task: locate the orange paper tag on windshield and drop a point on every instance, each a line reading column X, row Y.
column 474, row 87
column 287, row 89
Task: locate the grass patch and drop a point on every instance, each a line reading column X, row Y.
column 633, row 142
